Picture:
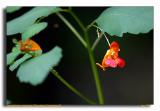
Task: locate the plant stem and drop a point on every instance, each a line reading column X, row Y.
column 73, row 89
column 77, row 20
column 102, row 33
column 90, row 25
column 95, row 72
column 72, row 29
column 96, row 42
column 91, row 57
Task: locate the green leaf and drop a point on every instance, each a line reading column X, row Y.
column 11, row 9
column 35, row 53
column 35, row 70
column 21, row 23
column 19, row 61
column 119, row 20
column 13, row 55
column 33, row 30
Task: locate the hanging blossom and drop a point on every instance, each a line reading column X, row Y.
column 111, row 58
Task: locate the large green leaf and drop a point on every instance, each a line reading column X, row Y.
column 119, row 20
column 11, row 9
column 33, row 30
column 21, row 23
column 35, row 70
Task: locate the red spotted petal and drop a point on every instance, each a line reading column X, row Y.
column 120, row 62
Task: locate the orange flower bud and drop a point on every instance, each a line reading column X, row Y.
column 29, row 45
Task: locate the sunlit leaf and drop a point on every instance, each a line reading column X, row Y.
column 119, row 20
column 33, row 30
column 34, row 71
column 11, row 9
column 21, row 23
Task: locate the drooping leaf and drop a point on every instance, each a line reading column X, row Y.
column 11, row 9
column 35, row 70
column 13, row 55
column 33, row 30
column 21, row 23
column 119, row 20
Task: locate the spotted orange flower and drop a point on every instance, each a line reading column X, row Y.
column 29, row 45
column 33, row 66
column 111, row 58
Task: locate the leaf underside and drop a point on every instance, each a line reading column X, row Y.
column 119, row 20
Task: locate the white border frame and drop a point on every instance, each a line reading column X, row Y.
column 155, row 3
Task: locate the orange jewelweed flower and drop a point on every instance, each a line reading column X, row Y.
column 29, row 45
column 111, row 58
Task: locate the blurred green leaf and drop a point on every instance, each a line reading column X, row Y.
column 35, row 70
column 8, row 102
column 20, row 24
column 119, row 20
column 11, row 9
column 13, row 55
column 33, row 30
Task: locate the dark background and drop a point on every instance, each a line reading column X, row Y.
column 132, row 85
